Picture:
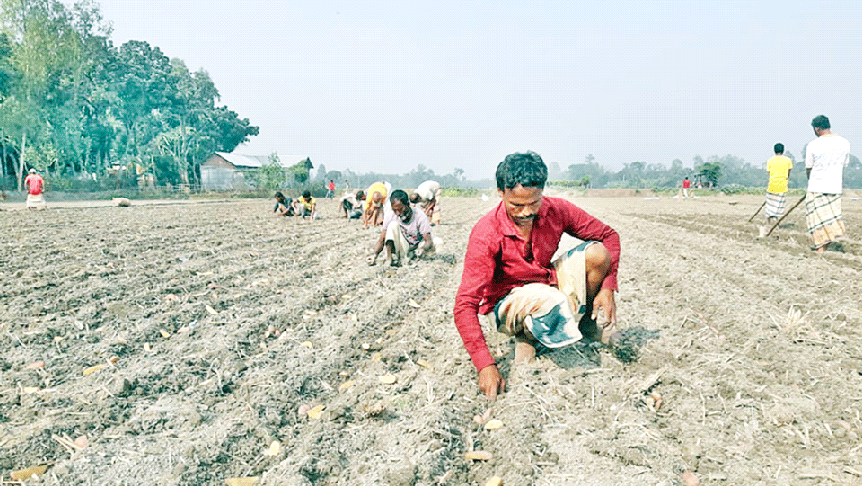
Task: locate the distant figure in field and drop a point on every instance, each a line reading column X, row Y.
column 406, row 233
column 427, row 197
column 686, row 185
column 35, row 186
column 373, row 209
column 509, row 276
column 284, row 205
column 826, row 157
column 779, row 168
column 308, row 206
column 350, row 204
column 331, row 189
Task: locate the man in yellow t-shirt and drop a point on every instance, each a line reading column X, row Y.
column 779, row 167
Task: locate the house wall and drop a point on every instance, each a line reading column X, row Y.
column 216, row 178
column 217, row 174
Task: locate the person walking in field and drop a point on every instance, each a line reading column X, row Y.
column 510, row 279
column 406, row 232
column 686, row 185
column 35, row 186
column 331, row 189
column 826, row 157
column 427, row 196
column 779, row 168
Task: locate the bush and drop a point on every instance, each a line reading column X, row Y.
column 460, row 192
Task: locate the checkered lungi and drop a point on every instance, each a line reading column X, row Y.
column 824, row 218
column 774, row 204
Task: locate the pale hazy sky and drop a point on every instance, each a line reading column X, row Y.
column 386, row 85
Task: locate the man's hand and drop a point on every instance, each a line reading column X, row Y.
column 605, row 299
column 491, row 383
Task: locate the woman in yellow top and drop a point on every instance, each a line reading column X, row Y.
column 373, row 209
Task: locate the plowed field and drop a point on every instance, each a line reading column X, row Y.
column 177, row 344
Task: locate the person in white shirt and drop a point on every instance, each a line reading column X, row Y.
column 427, row 196
column 406, row 233
column 826, row 156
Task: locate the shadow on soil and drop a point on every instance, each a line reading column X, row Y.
column 586, row 353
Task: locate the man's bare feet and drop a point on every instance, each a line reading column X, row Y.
column 524, row 352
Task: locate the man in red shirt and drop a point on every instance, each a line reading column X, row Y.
column 34, row 184
column 509, row 276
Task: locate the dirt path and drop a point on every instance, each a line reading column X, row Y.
column 212, row 324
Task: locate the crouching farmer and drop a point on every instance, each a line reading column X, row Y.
column 406, row 233
column 510, row 279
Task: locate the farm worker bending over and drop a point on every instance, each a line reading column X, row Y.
column 308, row 206
column 35, row 185
column 826, row 156
column 779, row 168
column 373, row 209
column 427, row 196
column 509, row 276
column 406, row 233
column 349, row 204
column 284, row 206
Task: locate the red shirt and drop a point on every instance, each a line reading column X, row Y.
column 34, row 184
column 331, row 186
column 686, row 183
column 495, row 263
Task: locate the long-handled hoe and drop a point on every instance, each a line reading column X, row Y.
column 784, row 215
column 758, row 211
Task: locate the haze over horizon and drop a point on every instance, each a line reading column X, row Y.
column 385, row 86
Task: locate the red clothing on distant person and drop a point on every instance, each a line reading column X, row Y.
column 686, row 183
column 495, row 263
column 331, row 186
column 34, row 183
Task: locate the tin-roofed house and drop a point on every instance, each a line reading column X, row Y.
column 224, row 172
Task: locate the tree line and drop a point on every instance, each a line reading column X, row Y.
column 714, row 172
column 74, row 105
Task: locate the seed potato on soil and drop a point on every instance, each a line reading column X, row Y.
column 228, row 344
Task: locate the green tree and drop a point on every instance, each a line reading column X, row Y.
column 710, row 172
column 458, row 174
column 140, row 78
column 853, row 174
column 272, row 175
column 40, row 33
column 300, row 170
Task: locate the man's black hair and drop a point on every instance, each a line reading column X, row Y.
column 526, row 169
column 307, row 195
column 279, row 196
column 401, row 196
column 820, row 121
column 778, row 148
